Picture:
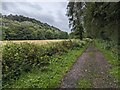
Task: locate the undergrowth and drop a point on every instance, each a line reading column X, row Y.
column 110, row 52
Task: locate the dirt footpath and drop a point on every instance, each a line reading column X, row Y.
column 92, row 66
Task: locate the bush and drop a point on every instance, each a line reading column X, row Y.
column 109, row 45
column 18, row 58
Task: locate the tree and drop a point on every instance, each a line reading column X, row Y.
column 17, row 27
column 75, row 17
column 98, row 19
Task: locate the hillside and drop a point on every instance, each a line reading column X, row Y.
column 18, row 27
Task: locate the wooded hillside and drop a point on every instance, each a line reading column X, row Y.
column 18, row 27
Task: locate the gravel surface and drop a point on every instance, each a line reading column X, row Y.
column 92, row 66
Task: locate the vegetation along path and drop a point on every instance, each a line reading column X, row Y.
column 90, row 66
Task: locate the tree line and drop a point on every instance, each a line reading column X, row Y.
column 94, row 20
column 18, row 27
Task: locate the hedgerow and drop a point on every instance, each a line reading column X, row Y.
column 22, row 57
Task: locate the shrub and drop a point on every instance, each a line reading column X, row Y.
column 109, row 45
column 18, row 58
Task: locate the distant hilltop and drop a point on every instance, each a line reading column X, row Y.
column 19, row 27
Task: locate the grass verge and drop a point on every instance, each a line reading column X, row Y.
column 50, row 76
column 112, row 59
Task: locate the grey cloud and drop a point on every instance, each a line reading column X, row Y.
column 20, row 7
column 51, row 13
column 6, row 6
column 63, row 4
column 47, row 18
column 31, row 5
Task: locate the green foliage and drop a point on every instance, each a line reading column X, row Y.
column 107, row 48
column 109, row 45
column 98, row 19
column 50, row 76
column 74, row 12
column 18, row 58
column 24, row 28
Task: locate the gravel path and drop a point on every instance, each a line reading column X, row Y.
column 92, row 66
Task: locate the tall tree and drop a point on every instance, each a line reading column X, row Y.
column 74, row 13
column 98, row 19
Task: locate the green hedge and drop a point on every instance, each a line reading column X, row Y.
column 18, row 58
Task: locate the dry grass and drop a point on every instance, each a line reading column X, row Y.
column 41, row 42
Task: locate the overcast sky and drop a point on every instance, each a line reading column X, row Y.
column 52, row 13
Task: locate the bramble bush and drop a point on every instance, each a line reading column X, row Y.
column 22, row 57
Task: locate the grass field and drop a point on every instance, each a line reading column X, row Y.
column 41, row 42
